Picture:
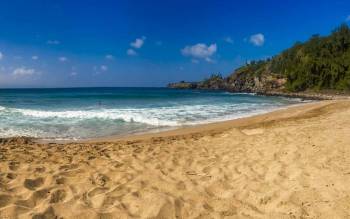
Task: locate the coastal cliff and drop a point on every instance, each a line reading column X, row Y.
column 317, row 67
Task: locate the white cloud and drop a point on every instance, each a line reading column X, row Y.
column 53, row 42
column 131, row 52
column 229, row 40
column 35, row 57
column 257, row 39
column 347, row 18
column 62, row 59
column 109, row 57
column 138, row 43
column 73, row 74
column 1, row 55
column 200, row 51
column 209, row 60
column 23, row 71
column 104, row 67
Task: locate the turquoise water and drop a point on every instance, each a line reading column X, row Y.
column 80, row 113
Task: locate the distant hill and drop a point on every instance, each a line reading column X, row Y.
column 320, row 64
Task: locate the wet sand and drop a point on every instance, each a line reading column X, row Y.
column 292, row 163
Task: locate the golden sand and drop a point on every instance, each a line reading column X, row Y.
column 292, row 163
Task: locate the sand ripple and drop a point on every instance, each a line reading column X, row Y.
column 296, row 167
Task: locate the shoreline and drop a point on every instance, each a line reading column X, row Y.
column 319, row 97
column 218, row 126
column 213, row 128
column 198, row 129
column 289, row 163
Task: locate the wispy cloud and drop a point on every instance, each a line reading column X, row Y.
column 131, row 52
column 138, row 43
column 228, row 40
column 104, row 67
column 347, row 18
column 257, row 39
column 23, row 71
column 35, row 57
column 97, row 70
column 109, row 57
column 53, row 42
column 1, row 55
column 73, row 74
column 200, row 51
column 62, row 59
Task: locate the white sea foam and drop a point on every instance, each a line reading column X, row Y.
column 26, row 132
column 164, row 116
column 112, row 114
column 74, row 124
column 242, row 93
column 83, row 114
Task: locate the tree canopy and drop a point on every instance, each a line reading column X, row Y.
column 319, row 63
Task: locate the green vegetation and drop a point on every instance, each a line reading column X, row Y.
column 215, row 81
column 321, row 63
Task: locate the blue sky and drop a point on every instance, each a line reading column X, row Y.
column 149, row 43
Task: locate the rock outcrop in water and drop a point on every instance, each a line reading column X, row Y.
column 183, row 85
column 239, row 81
column 215, row 82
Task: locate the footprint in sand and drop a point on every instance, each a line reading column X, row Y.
column 99, row 179
column 60, row 180
column 58, row 196
column 181, row 185
column 13, row 165
column 11, row 176
column 35, row 199
column 69, row 167
column 40, row 169
column 5, row 200
column 48, row 213
column 32, row 184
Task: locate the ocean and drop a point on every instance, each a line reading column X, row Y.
column 84, row 113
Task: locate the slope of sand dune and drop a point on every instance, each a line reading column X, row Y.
column 293, row 163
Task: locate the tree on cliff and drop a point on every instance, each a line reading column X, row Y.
column 319, row 63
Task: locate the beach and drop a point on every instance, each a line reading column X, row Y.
column 89, row 113
column 290, row 163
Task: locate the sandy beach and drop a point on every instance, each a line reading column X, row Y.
column 291, row 163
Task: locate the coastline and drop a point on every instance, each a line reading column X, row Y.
column 220, row 126
column 216, row 126
column 289, row 163
column 207, row 128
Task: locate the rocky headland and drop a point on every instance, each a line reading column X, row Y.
column 316, row 69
